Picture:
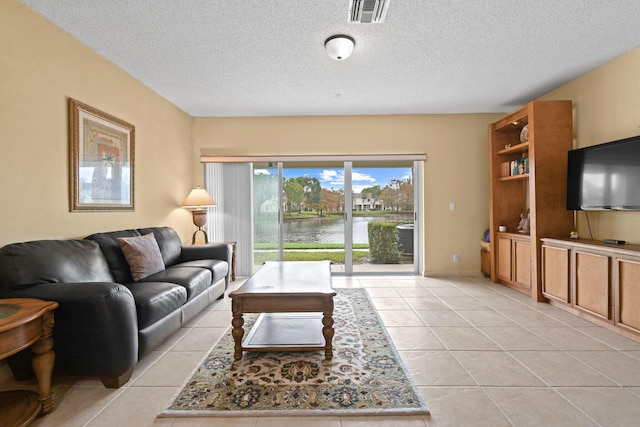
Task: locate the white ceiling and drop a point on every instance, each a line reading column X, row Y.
column 267, row 58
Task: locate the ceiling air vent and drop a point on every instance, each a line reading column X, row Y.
column 368, row 11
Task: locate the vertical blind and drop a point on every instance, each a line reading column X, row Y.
column 230, row 186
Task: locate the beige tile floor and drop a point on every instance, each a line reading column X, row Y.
column 481, row 355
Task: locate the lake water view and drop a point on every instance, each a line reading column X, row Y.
column 319, row 230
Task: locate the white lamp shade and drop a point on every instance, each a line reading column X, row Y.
column 198, row 198
column 339, row 47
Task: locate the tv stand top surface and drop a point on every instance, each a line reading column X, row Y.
column 630, row 249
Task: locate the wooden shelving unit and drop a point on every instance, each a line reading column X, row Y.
column 542, row 190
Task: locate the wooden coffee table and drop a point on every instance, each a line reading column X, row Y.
column 24, row 323
column 285, row 287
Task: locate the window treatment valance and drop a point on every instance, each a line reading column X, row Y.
column 209, row 158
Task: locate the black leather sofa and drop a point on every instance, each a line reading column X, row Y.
column 106, row 321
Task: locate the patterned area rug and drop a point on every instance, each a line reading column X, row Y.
column 366, row 375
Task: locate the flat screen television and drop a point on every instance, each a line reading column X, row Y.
column 605, row 176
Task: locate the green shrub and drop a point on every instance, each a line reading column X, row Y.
column 383, row 242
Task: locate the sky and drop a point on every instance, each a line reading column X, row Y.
column 332, row 178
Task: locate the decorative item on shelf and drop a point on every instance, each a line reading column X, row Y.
column 502, row 228
column 515, row 167
column 524, row 133
column 523, row 226
column 573, row 235
column 197, row 202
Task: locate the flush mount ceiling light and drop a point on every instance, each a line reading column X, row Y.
column 339, row 47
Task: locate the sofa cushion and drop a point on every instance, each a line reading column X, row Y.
column 168, row 241
column 52, row 261
column 142, row 254
column 217, row 267
column 155, row 300
column 118, row 264
column 195, row 280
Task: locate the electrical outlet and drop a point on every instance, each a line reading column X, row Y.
column 456, row 259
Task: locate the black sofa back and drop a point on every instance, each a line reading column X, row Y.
column 108, row 242
column 52, row 261
column 167, row 238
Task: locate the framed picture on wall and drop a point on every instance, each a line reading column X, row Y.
column 101, row 151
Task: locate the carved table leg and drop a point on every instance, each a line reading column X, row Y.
column 43, row 361
column 327, row 330
column 237, row 332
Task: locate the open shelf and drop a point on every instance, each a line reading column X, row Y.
column 514, row 177
column 522, row 147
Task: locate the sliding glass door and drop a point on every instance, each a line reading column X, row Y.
column 359, row 215
column 383, row 217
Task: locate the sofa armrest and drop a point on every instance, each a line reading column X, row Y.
column 221, row 251
column 95, row 326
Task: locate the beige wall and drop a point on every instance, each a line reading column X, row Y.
column 40, row 66
column 606, row 106
column 456, row 169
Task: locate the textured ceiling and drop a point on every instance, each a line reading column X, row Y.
column 267, row 58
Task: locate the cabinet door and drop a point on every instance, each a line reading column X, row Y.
column 522, row 263
column 592, row 284
column 503, row 259
column 555, row 273
column 628, row 314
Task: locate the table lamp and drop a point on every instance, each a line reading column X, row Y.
column 197, row 202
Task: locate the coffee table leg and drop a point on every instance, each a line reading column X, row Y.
column 237, row 332
column 42, row 361
column 327, row 330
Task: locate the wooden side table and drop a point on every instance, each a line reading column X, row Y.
column 485, row 266
column 27, row 322
column 233, row 260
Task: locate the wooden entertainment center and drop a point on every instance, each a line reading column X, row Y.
column 597, row 281
column 528, row 172
column 594, row 280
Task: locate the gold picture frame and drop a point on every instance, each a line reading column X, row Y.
column 101, row 150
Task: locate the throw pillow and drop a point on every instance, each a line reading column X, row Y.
column 142, row 254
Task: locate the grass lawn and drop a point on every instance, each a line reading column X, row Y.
column 359, row 257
